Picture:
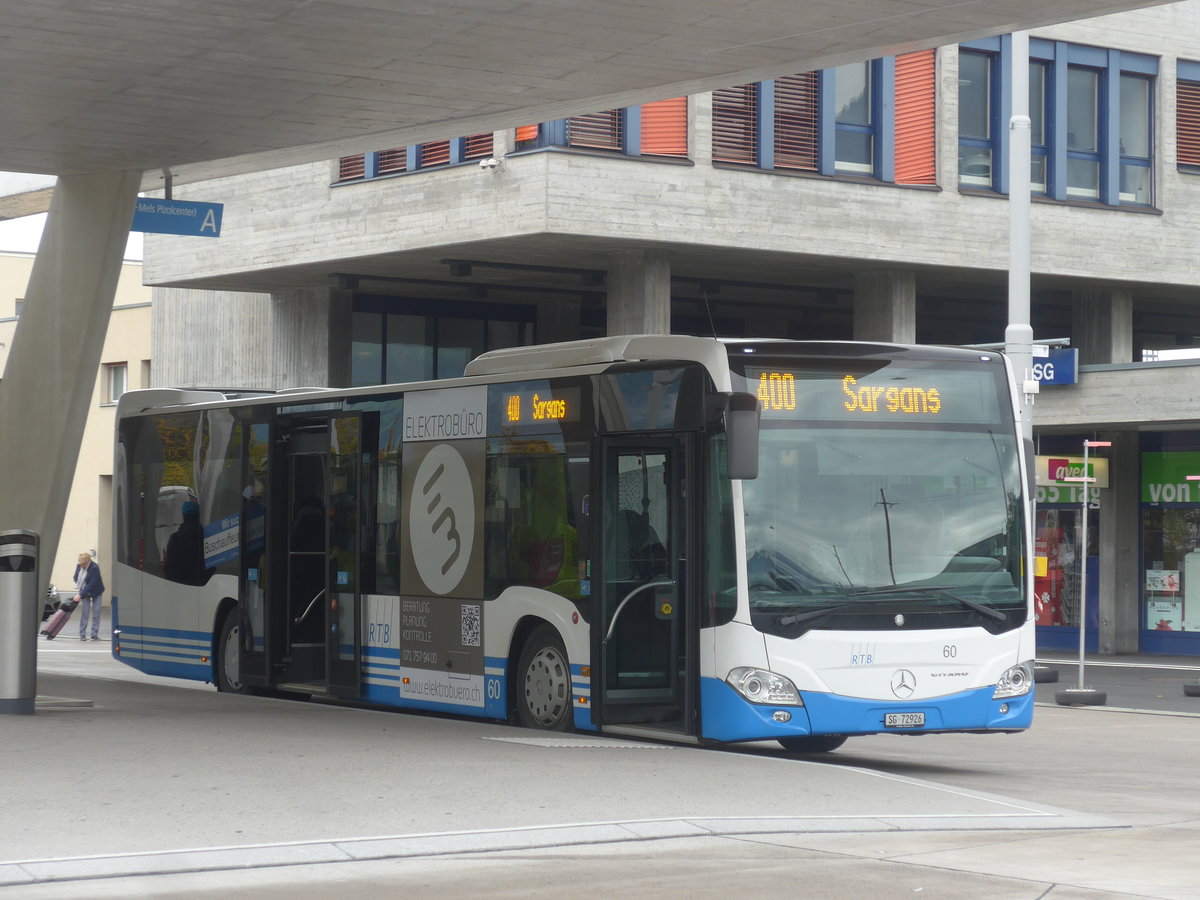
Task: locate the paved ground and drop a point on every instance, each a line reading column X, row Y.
column 159, row 789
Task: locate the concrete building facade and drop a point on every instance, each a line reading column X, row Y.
column 867, row 202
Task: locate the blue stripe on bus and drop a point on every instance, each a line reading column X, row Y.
column 727, row 716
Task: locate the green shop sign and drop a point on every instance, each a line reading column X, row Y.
column 1165, row 477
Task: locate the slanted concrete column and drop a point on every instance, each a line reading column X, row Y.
column 312, row 337
column 639, row 292
column 1102, row 325
column 1120, row 535
column 49, row 380
column 885, row 306
column 558, row 321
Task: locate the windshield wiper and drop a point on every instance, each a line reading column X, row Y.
column 982, row 608
column 797, row 618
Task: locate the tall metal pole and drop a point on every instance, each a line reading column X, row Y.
column 1018, row 336
column 1083, row 550
column 1080, row 695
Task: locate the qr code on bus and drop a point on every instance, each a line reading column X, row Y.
column 470, row 625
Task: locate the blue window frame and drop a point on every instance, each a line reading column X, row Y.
column 1091, row 112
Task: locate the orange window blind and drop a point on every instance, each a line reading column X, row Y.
column 351, row 168
column 664, row 127
column 916, row 159
column 1187, row 123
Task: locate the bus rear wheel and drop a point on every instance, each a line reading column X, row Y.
column 813, row 743
column 543, row 689
column 229, row 666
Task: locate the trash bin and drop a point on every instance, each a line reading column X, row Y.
column 20, row 612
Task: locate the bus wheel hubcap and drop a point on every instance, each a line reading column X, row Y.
column 231, row 659
column 546, row 686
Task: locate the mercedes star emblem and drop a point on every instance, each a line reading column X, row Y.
column 904, row 683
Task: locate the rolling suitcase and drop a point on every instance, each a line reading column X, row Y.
column 56, row 622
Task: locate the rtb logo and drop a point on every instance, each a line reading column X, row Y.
column 441, row 519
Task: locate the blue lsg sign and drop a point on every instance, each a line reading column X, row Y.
column 1061, row 366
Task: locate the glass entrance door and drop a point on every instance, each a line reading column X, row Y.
column 645, row 671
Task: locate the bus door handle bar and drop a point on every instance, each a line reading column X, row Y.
column 657, row 582
column 304, row 615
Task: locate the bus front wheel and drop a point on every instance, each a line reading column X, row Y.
column 229, row 666
column 543, row 689
column 813, row 743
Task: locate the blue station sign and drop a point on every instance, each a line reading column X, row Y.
column 186, row 217
column 1059, row 366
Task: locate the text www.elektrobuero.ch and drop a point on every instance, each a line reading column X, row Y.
column 440, row 691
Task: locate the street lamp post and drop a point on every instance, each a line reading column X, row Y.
column 1080, row 695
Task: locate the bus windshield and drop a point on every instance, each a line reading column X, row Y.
column 853, row 520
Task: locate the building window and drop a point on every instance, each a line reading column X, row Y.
column 875, row 118
column 1187, row 116
column 1135, row 140
column 1039, row 152
column 855, row 119
column 116, row 381
column 1091, row 117
column 1083, row 133
column 735, row 125
column 413, row 158
column 396, row 348
column 977, row 119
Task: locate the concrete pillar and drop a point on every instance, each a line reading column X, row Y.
column 1102, row 325
column 1120, row 537
column 50, row 376
column 311, row 337
column 558, row 321
column 639, row 292
column 238, row 343
column 885, row 306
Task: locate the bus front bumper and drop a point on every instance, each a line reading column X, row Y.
column 727, row 716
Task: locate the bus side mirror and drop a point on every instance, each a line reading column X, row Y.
column 741, row 433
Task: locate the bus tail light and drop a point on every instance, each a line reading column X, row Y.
column 761, row 686
column 1015, row 682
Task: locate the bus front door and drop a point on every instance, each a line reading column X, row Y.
column 646, row 672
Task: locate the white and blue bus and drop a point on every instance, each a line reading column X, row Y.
column 675, row 537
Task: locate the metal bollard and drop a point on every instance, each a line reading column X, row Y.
column 20, row 608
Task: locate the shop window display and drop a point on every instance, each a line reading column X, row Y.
column 1171, row 569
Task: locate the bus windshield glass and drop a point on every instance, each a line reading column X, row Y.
column 883, row 489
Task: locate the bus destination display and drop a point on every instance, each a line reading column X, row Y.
column 888, row 394
column 540, row 407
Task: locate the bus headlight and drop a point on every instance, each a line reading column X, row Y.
column 761, row 686
column 1015, row 682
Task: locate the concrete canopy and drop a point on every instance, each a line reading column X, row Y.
column 217, row 87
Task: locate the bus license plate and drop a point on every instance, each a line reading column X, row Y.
column 904, row 720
